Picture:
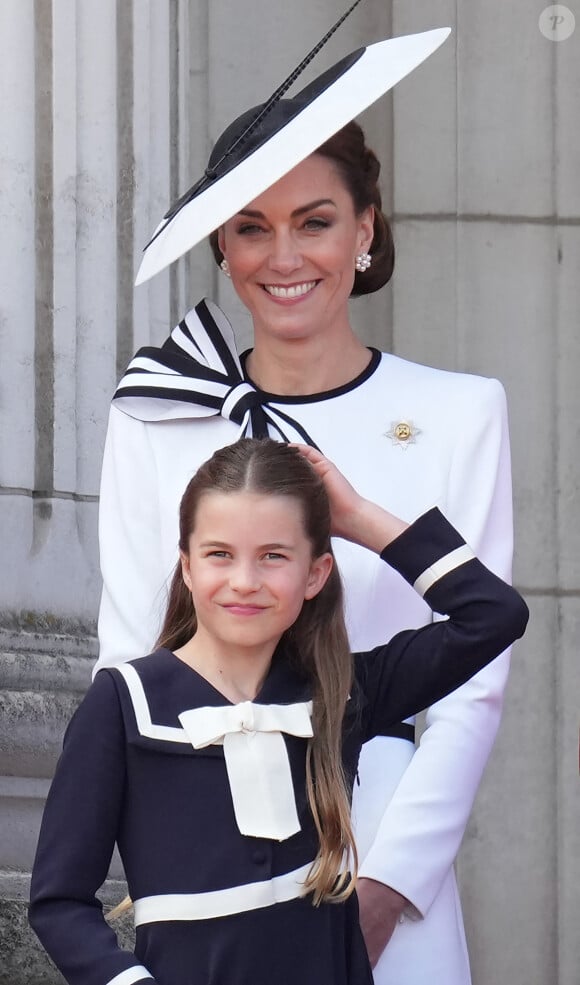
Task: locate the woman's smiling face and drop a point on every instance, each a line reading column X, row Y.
column 291, row 252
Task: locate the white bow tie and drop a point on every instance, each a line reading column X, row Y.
column 256, row 760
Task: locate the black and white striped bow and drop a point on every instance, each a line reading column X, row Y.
column 197, row 373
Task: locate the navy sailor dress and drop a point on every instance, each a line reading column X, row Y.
column 213, row 905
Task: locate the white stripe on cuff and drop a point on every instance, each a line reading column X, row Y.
column 130, row 976
column 442, row 567
column 222, row 902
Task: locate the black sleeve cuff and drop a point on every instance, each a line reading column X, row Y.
column 427, row 540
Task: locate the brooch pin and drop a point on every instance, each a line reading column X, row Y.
column 403, row 433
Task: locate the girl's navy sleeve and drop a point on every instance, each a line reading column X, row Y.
column 77, row 838
column 418, row 667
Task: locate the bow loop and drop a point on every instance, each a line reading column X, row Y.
column 256, row 760
column 208, row 726
column 197, row 373
column 241, row 399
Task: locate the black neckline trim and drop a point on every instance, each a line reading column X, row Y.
column 307, row 398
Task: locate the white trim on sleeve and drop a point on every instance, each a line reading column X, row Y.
column 442, row 567
column 130, row 976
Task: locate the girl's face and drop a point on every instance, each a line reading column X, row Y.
column 291, row 252
column 249, row 570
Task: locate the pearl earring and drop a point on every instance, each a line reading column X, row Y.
column 362, row 262
column 225, row 267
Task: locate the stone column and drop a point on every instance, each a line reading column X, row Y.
column 88, row 124
column 487, row 208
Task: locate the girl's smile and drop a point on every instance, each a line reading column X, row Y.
column 237, row 609
column 249, row 569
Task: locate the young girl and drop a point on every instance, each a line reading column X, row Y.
column 223, row 763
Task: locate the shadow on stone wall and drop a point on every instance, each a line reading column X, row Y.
column 22, row 958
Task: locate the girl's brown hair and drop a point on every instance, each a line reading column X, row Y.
column 317, row 641
column 359, row 169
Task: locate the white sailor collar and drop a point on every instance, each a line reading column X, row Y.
column 155, row 690
column 168, row 706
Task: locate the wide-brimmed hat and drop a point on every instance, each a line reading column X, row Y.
column 266, row 142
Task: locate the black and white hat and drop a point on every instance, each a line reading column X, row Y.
column 266, row 142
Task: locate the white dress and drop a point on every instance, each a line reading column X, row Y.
column 411, row 807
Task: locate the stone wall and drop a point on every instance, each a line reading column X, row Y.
column 108, row 111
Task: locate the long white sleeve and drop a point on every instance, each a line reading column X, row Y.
column 130, row 543
column 422, row 827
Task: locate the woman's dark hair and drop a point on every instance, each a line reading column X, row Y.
column 317, row 641
column 359, row 168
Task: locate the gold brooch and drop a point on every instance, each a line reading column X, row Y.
column 403, row 433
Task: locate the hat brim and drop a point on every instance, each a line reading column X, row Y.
column 378, row 69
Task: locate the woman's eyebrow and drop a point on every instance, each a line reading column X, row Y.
column 255, row 214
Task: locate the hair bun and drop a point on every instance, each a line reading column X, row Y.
column 372, row 166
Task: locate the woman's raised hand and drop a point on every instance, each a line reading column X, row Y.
column 353, row 517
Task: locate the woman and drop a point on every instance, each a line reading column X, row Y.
column 408, row 436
